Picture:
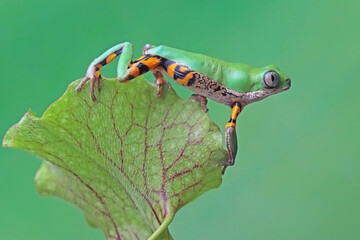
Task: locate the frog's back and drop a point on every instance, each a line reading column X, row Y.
column 213, row 68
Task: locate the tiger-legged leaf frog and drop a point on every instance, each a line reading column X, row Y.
column 232, row 84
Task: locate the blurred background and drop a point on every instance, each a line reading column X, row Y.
column 298, row 167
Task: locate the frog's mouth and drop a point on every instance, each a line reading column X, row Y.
column 250, row 97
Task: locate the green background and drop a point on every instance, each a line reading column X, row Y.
column 297, row 171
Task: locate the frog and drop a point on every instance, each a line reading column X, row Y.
column 235, row 85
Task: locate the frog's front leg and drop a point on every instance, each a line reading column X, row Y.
column 93, row 71
column 159, row 80
column 230, row 137
column 201, row 99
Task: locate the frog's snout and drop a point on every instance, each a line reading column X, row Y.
column 288, row 81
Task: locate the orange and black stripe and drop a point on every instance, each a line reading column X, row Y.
column 105, row 61
column 190, row 78
column 179, row 72
column 142, row 65
column 234, row 114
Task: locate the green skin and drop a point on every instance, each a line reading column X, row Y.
column 244, row 84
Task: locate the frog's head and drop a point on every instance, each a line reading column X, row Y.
column 270, row 77
column 266, row 81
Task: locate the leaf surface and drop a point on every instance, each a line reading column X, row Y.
column 130, row 160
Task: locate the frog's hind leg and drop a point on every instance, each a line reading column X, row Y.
column 231, row 138
column 142, row 65
column 125, row 50
column 139, row 67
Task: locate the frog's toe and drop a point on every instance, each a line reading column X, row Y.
column 229, row 162
column 223, row 164
column 81, row 84
column 99, row 84
column 146, row 48
column 93, row 81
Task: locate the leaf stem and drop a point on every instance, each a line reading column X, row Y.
column 163, row 226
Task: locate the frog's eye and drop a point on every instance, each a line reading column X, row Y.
column 270, row 80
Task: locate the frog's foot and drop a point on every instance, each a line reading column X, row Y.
column 93, row 71
column 146, row 48
column 230, row 162
column 201, row 99
column 230, row 137
column 92, row 74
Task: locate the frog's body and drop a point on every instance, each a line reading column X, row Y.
column 232, row 84
column 210, row 83
column 221, row 81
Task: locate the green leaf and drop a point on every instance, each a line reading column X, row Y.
column 130, row 160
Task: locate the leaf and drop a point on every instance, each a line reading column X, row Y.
column 130, row 160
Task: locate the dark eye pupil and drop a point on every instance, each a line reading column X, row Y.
column 272, row 77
